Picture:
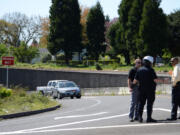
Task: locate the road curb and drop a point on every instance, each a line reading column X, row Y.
column 16, row 115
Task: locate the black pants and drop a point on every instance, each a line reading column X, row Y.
column 175, row 100
column 149, row 97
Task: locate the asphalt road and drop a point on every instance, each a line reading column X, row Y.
column 93, row 116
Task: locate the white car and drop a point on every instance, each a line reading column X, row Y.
column 47, row 90
column 66, row 89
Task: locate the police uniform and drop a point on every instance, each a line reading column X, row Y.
column 134, row 96
column 145, row 76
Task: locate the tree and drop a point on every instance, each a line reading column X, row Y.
column 3, row 50
column 25, row 53
column 27, row 28
column 111, row 34
column 8, row 33
column 45, row 24
column 133, row 23
column 65, row 28
column 84, row 14
column 174, row 28
column 123, row 11
column 95, row 31
column 153, row 30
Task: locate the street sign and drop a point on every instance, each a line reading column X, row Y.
column 8, row 61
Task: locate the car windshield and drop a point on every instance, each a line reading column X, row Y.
column 69, row 84
column 66, row 84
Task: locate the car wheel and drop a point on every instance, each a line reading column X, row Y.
column 72, row 97
column 78, row 96
column 59, row 96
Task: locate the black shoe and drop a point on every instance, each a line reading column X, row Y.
column 151, row 120
column 171, row 119
column 140, row 119
column 131, row 120
column 136, row 119
column 179, row 117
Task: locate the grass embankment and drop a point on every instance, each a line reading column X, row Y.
column 109, row 67
column 21, row 101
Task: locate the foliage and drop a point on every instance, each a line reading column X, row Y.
column 3, row 50
column 98, row 67
column 46, row 58
column 123, row 11
column 95, row 32
column 111, row 34
column 20, row 101
column 153, row 30
column 5, row 92
column 45, row 23
column 134, row 18
column 8, row 33
column 65, row 28
column 84, row 14
column 24, row 28
column 174, row 28
column 24, row 53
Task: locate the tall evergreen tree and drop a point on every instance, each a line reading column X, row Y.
column 65, row 28
column 95, row 31
column 153, row 30
column 174, row 28
column 134, row 19
column 111, row 34
column 123, row 11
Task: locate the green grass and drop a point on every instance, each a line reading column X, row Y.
column 20, row 101
column 109, row 67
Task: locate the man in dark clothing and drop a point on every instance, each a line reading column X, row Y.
column 134, row 91
column 146, row 77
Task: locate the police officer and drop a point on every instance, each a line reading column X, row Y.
column 146, row 77
column 175, row 88
column 134, row 91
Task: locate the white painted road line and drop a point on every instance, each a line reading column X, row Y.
column 74, row 123
column 89, row 128
column 78, row 116
column 84, row 121
column 98, row 102
column 165, row 110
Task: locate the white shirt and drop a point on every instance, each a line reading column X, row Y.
column 176, row 74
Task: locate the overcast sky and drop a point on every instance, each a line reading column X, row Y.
column 41, row 7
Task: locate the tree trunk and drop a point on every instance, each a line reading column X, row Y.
column 127, row 57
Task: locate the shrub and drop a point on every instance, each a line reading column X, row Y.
column 5, row 92
column 3, row 50
column 24, row 53
column 46, row 58
column 60, row 57
column 98, row 67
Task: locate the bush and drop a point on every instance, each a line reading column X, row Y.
column 98, row 67
column 3, row 50
column 60, row 57
column 46, row 58
column 5, row 92
column 24, row 53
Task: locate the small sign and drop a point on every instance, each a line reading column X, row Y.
column 8, row 61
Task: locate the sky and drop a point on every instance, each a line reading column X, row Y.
column 41, row 7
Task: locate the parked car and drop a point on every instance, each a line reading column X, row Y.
column 66, row 89
column 47, row 90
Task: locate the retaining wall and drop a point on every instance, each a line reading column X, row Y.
column 85, row 79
